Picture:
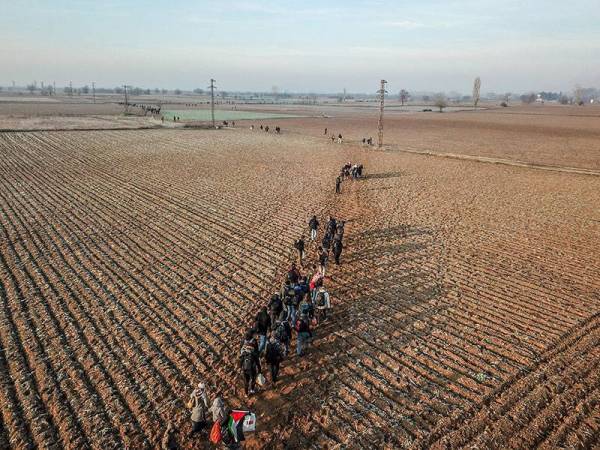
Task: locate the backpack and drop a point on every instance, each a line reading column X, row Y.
column 304, row 308
column 290, row 295
column 273, row 352
column 321, row 302
column 301, row 325
column 215, row 433
column 276, row 305
column 280, row 334
column 247, row 360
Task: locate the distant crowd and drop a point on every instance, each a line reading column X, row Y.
column 348, row 171
column 266, row 128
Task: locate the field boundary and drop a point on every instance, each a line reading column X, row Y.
column 506, row 162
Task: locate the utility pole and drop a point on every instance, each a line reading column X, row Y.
column 381, row 92
column 54, row 88
column 70, row 89
column 126, row 98
column 212, row 101
column 94, row 90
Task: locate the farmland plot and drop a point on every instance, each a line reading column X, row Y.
column 130, row 261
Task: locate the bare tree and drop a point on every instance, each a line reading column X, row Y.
column 403, row 95
column 578, row 95
column 85, row 89
column 31, row 88
column 528, row 98
column 440, row 101
column 476, row 91
column 177, row 92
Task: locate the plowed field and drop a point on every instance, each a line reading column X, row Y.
column 466, row 308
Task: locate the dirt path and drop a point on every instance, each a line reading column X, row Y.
column 508, row 162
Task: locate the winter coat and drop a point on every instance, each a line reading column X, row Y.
column 263, row 323
column 199, row 402
column 218, row 410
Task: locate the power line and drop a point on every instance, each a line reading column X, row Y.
column 212, row 101
column 126, row 98
column 382, row 93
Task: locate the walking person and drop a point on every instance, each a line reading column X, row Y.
column 288, row 294
column 293, row 274
column 322, row 303
column 299, row 244
column 325, row 133
column 304, row 334
column 340, row 138
column 338, row 185
column 313, row 225
column 275, row 308
column 250, row 364
column 337, row 250
column 198, row 404
column 218, row 409
column 283, row 332
column 323, row 256
column 273, row 357
column 332, row 226
column 263, row 327
column 326, row 242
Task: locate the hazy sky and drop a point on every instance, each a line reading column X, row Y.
column 303, row 45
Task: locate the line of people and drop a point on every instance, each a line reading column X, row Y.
column 266, row 128
column 333, row 137
column 302, row 303
column 348, row 171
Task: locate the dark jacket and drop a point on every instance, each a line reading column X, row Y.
column 249, row 356
column 273, row 353
column 323, row 258
column 276, row 305
column 338, row 247
column 293, row 275
column 303, row 326
column 332, row 225
column 299, row 244
column 313, row 223
column 263, row 323
column 283, row 331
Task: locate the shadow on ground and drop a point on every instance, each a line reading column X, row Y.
column 385, row 290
